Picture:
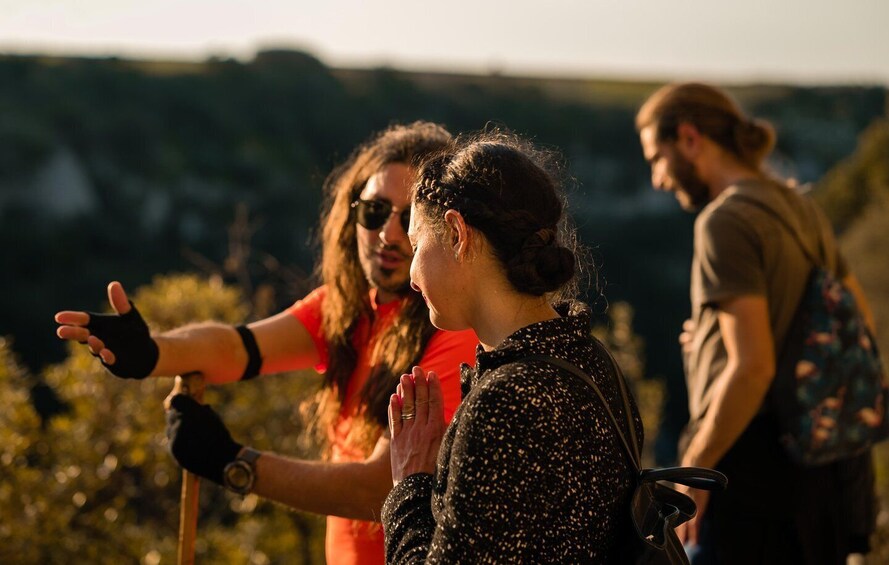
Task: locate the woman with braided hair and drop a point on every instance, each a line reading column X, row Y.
column 530, row 468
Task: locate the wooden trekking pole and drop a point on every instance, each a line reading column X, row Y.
column 191, row 384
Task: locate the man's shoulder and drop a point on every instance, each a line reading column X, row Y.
column 767, row 200
column 722, row 218
column 751, row 207
column 315, row 297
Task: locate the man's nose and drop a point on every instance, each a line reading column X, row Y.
column 392, row 232
column 657, row 178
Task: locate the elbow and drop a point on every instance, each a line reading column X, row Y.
column 758, row 374
column 365, row 498
column 366, row 506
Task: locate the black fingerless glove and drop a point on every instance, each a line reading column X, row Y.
column 199, row 441
column 127, row 336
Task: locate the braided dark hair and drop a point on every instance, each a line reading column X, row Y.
column 508, row 190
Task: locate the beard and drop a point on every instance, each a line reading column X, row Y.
column 390, row 280
column 689, row 183
column 394, row 281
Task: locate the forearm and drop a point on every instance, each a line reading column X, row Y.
column 736, row 402
column 350, row 490
column 212, row 349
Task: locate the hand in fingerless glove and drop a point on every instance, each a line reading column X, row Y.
column 127, row 336
column 199, row 441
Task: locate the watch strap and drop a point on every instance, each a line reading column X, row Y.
column 249, row 456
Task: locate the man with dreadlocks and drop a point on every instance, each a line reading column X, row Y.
column 363, row 327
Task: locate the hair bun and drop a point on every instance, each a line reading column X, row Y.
column 754, row 139
column 542, row 265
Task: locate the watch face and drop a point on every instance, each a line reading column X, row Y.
column 239, row 476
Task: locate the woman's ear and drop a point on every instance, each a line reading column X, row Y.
column 459, row 234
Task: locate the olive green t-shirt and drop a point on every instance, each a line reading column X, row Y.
column 742, row 249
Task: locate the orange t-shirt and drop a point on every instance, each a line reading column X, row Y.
column 354, row 542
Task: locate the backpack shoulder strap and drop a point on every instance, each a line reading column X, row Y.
column 630, row 447
column 696, row 477
column 783, row 221
column 625, row 396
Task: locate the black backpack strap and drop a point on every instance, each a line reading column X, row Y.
column 625, row 396
column 696, row 477
column 632, row 450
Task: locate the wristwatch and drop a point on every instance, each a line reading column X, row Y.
column 239, row 475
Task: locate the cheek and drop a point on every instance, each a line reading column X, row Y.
column 425, row 265
column 415, row 268
column 424, row 270
column 365, row 239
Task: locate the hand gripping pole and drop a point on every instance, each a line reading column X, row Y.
column 191, row 384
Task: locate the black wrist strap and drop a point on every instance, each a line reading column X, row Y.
column 254, row 359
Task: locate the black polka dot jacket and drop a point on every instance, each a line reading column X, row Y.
column 530, row 469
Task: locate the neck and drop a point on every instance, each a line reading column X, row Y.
column 726, row 172
column 504, row 312
column 731, row 180
column 384, row 296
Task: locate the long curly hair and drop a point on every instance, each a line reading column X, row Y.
column 401, row 345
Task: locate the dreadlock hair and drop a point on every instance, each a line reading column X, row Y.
column 401, row 345
column 510, row 191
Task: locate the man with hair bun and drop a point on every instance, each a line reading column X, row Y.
column 748, row 276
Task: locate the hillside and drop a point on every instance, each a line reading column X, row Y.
column 117, row 169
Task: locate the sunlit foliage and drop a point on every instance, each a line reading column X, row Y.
column 628, row 349
column 97, row 484
column 854, row 185
column 856, row 197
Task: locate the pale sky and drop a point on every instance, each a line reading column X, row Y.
column 808, row 41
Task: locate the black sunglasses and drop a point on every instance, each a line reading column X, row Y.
column 372, row 214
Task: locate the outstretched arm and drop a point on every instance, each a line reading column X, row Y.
column 213, row 349
column 216, row 350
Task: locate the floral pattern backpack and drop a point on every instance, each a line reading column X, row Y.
column 830, row 390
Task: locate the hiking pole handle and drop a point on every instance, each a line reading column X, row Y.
column 695, row 477
column 190, row 384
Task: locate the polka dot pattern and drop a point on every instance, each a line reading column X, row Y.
column 530, row 469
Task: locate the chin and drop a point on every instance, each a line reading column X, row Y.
column 390, row 281
column 445, row 324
